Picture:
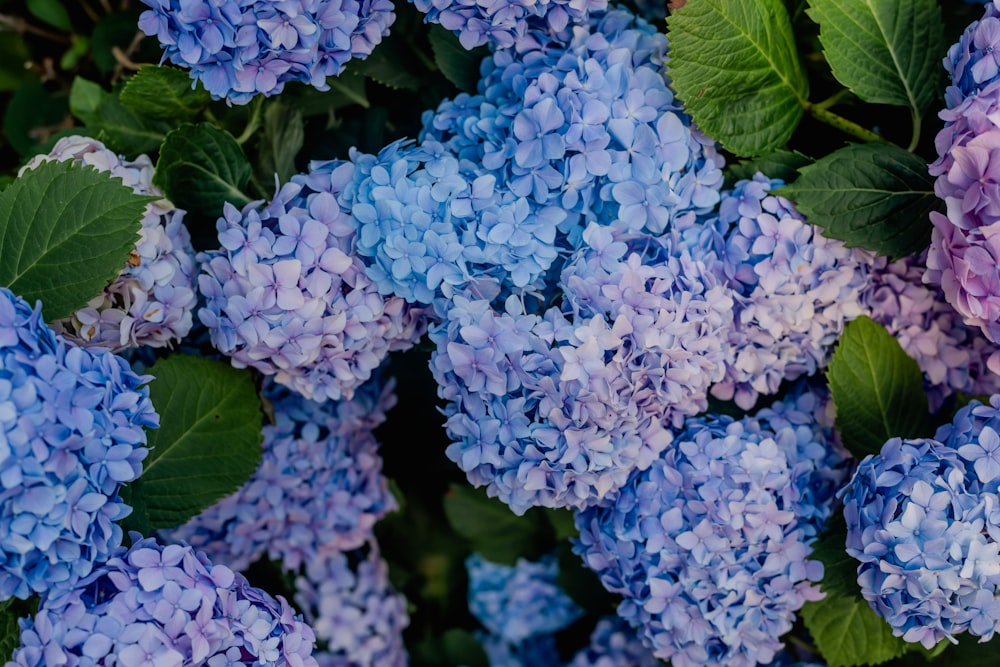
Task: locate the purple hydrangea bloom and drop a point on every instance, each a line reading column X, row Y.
column 591, row 127
column 504, row 23
column 794, row 288
column 516, row 602
column 319, row 488
column 287, row 293
column 556, row 408
column 151, row 300
column 614, row 644
column 709, row 546
column 164, row 606
column 241, row 48
column 71, row 433
column 952, row 355
column 922, row 520
column 347, row 599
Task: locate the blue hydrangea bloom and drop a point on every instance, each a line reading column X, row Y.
column 287, row 293
column 71, row 433
column 538, row 650
column 709, row 546
column 319, row 488
column 348, row 600
column 614, row 644
column 164, row 606
column 152, row 299
column 922, row 520
column 515, row 602
column 503, row 23
column 793, row 288
column 556, row 408
column 590, row 126
column 241, row 48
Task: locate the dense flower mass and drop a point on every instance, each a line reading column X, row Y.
column 319, row 488
column 709, row 546
column 504, row 23
column 241, row 48
column 614, row 644
column 556, row 409
column 347, row 599
column 793, row 288
column 953, row 356
column 164, row 606
column 922, row 520
column 964, row 251
column 152, row 299
column 71, row 433
column 288, row 295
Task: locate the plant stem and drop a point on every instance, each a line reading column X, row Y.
column 915, row 137
column 833, row 99
column 253, row 123
column 842, row 124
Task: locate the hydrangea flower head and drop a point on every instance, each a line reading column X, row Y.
column 520, row 601
column 71, row 433
column 287, row 294
column 242, row 48
column 151, row 300
column 164, row 605
column 709, row 546
column 922, row 521
column 614, row 644
column 319, row 488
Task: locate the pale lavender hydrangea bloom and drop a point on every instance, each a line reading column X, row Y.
column 348, row 600
column 614, row 644
column 164, row 606
column 241, row 48
column 953, row 356
column 287, row 293
column 319, row 489
column 504, row 23
column 71, row 433
column 709, row 546
column 151, row 300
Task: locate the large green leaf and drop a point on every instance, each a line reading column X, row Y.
column 877, row 388
column 458, row 64
column 873, row 196
column 282, row 139
column 735, row 66
column 847, row 632
column 492, row 529
column 782, row 164
column 65, row 232
column 164, row 92
column 208, row 443
column 201, row 168
column 123, row 130
column 886, row 51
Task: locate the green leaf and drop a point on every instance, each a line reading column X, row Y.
column 51, row 12
column 201, row 168
column 582, row 584
column 65, row 232
column 85, row 99
column 840, row 570
column 779, row 164
column 459, row 65
column 32, row 115
column 79, row 47
column 10, row 632
column 164, row 92
column 563, row 523
column 492, row 529
column 208, row 443
column 847, row 632
column 460, row 647
column 125, row 131
column 388, row 65
column 734, row 64
column 885, row 51
column 872, row 196
column 877, row 388
column 282, row 139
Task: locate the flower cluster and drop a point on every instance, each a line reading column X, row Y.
column 965, row 248
column 793, row 288
column 71, row 433
column 922, row 520
column 516, row 602
column 241, row 48
column 504, row 23
column 288, row 295
column 709, row 545
column 319, row 488
column 151, row 300
column 614, row 644
column 164, row 605
column 347, row 599
column 953, row 356
column 537, row 650
column 556, row 409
